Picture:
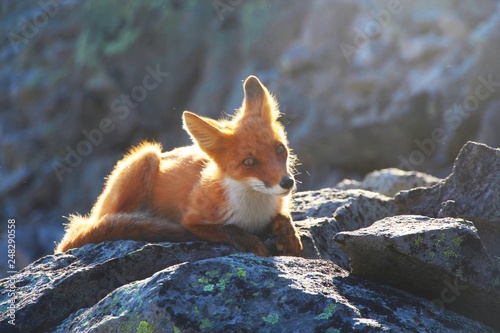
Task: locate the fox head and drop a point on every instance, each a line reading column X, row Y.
column 250, row 148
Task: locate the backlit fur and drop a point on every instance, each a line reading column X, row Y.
column 204, row 190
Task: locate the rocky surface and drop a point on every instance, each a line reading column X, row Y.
column 245, row 293
column 439, row 259
column 471, row 192
column 80, row 292
column 367, row 266
column 320, row 215
column 407, row 94
column 389, row 182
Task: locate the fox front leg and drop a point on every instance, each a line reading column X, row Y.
column 288, row 238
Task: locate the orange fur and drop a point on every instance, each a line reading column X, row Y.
column 234, row 180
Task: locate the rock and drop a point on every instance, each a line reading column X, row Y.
column 53, row 287
column 439, row 259
column 320, row 215
column 471, row 192
column 390, row 181
column 231, row 293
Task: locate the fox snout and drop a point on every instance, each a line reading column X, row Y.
column 287, row 182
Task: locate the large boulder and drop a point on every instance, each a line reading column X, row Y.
column 472, row 192
column 54, row 287
column 439, row 259
column 240, row 293
column 455, row 238
column 321, row 214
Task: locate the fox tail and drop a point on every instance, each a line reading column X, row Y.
column 140, row 226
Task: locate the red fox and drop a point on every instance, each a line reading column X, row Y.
column 234, row 181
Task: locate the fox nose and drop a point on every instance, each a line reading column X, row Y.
column 287, row 182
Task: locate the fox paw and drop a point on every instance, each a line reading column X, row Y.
column 289, row 244
column 254, row 245
column 245, row 242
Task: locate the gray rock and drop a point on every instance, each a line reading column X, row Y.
column 320, row 215
column 55, row 286
column 439, row 259
column 244, row 293
column 471, row 192
column 390, row 181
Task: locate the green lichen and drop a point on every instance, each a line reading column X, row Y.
column 449, row 253
column 241, row 273
column 457, row 241
column 205, row 323
column 203, row 280
column 212, row 280
column 128, row 326
column 327, row 312
column 222, row 283
column 208, row 287
column 115, row 301
column 431, row 254
column 131, row 325
column 332, row 330
column 460, row 272
column 419, row 241
column 272, row 318
column 144, row 327
column 441, row 240
column 176, row 329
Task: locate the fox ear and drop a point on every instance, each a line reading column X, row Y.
column 205, row 132
column 258, row 100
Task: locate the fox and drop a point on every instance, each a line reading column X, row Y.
column 234, row 182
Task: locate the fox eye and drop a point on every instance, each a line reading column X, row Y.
column 249, row 161
column 280, row 149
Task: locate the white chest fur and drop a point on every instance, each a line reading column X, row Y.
column 249, row 209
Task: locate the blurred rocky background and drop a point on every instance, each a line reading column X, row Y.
column 363, row 85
